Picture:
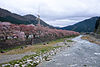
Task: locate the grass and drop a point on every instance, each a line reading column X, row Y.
column 90, row 39
column 69, row 41
column 38, row 51
column 85, row 37
column 8, row 49
column 35, row 48
column 38, row 48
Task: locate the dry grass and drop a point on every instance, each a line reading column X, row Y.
column 85, row 37
column 90, row 39
column 34, row 48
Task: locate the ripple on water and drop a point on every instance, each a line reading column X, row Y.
column 66, row 54
column 97, row 53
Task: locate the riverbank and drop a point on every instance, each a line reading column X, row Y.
column 36, row 53
column 91, row 39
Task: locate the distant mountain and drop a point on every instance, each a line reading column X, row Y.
column 7, row 16
column 87, row 25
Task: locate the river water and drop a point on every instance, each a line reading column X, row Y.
column 81, row 54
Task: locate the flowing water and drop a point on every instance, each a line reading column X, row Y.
column 82, row 54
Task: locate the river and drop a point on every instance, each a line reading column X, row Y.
column 81, row 54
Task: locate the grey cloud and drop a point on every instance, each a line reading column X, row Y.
column 53, row 10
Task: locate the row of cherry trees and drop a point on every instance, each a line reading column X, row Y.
column 25, row 32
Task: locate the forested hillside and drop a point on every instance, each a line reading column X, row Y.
column 87, row 25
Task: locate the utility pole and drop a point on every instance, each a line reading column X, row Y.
column 38, row 16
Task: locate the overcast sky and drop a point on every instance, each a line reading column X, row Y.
column 55, row 12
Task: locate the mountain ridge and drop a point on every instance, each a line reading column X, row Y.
column 7, row 16
column 87, row 25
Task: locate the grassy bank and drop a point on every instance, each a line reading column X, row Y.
column 38, row 48
column 91, row 39
column 38, row 51
column 35, row 48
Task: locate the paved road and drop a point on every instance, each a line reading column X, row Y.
column 82, row 54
